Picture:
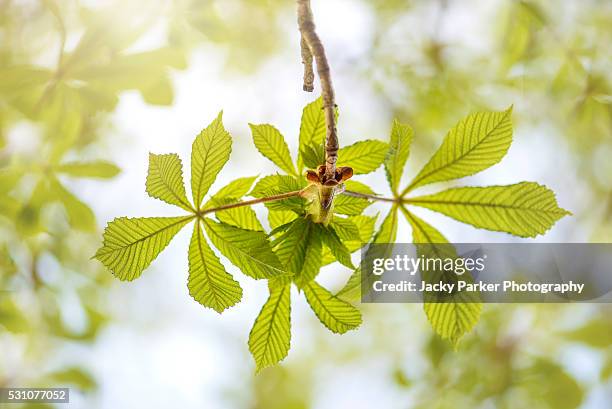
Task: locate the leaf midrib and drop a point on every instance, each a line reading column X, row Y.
column 271, row 323
column 418, row 202
column 314, row 293
column 286, row 161
column 211, row 285
column 183, row 201
column 200, row 195
column 185, row 219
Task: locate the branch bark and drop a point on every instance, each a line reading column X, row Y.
column 308, row 70
column 313, row 43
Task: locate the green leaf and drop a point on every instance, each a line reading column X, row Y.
column 271, row 144
column 452, row 319
column 160, row 92
column 248, row 250
column 349, row 205
column 130, row 245
column 364, row 156
column 313, row 155
column 165, row 180
column 386, row 234
column 243, row 217
column 278, row 218
column 72, row 376
column 12, row 319
column 312, row 128
column 312, row 259
column 363, row 234
column 595, row 333
column 337, row 315
column 277, row 184
column 476, row 143
column 312, row 134
column 96, row 169
column 209, row 283
column 270, row 337
column 345, row 228
column 524, row 209
column 291, row 246
column 80, row 216
column 211, row 150
column 355, row 186
column 338, row 249
column 388, row 229
column 399, row 150
column 365, row 227
column 423, row 232
column 236, row 189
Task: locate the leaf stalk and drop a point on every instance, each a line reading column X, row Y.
column 251, row 202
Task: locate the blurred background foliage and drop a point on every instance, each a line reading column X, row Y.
column 65, row 65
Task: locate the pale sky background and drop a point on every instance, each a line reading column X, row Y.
column 163, row 349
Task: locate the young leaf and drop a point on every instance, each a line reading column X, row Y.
column 312, row 155
column 312, row 134
column 130, row 245
column 209, row 283
column 364, row 156
column 524, row 209
column 278, row 218
column 236, row 189
column 365, row 227
column 337, row 315
column 423, row 232
column 277, row 184
column 335, row 245
column 358, row 187
column 450, row 320
column 312, row 259
column 165, row 180
column 399, row 150
column 477, row 142
column 272, row 145
column 349, row 205
column 243, row 217
column 363, row 234
column 345, row 228
column 248, row 250
column 96, row 169
column 312, row 128
column 386, row 234
column 211, row 150
column 270, row 337
column 291, row 246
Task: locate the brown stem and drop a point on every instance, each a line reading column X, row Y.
column 370, row 197
column 251, row 202
column 307, row 61
column 312, row 40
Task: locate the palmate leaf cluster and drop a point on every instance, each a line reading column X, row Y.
column 297, row 247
